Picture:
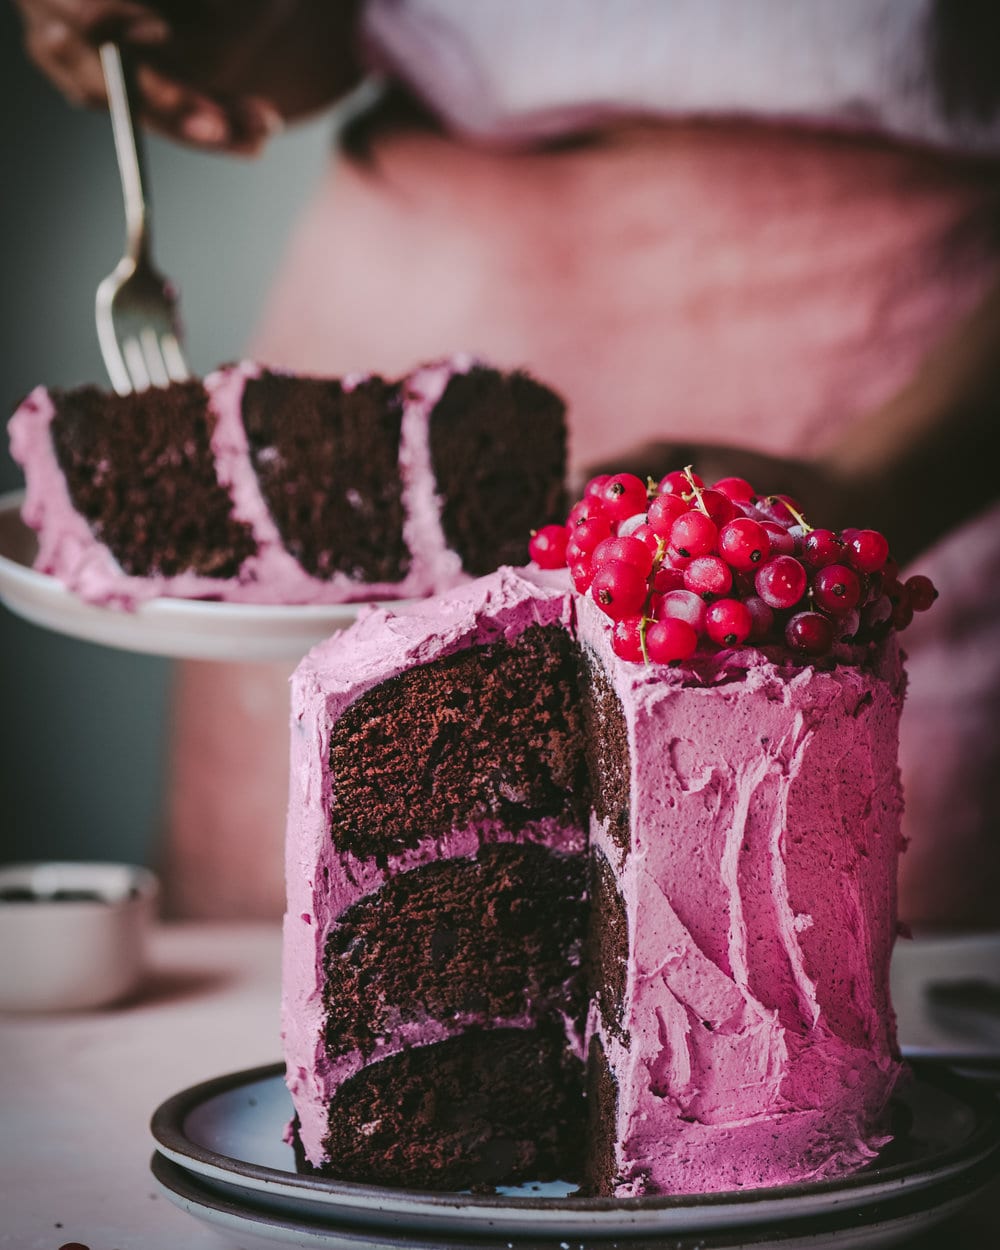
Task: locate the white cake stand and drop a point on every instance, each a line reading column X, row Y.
column 173, row 628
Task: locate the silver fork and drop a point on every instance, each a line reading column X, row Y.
column 137, row 324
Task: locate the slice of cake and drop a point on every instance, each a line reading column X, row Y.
column 262, row 487
column 436, row 894
column 537, row 879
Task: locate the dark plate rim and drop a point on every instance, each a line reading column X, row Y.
column 877, row 1212
column 167, row 1127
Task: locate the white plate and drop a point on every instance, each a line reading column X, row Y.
column 227, row 1135
column 890, row 1222
column 177, row 628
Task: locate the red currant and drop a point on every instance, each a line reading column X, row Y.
column 781, row 582
column 737, row 489
column 666, row 578
column 626, row 638
column 685, row 606
column 582, row 573
column 678, row 483
column 631, row 524
column 548, row 546
column 868, row 551
column 628, row 550
column 664, row 511
column 693, row 534
column 672, row 562
column 619, row 589
column 728, row 622
column 811, row 632
column 590, row 532
column 646, row 534
column 921, row 591
column 595, row 487
column 836, row 589
column 718, row 506
column 669, row 640
column 761, row 616
column 744, row 544
column 782, row 543
column 821, row 547
column 902, row 613
column 624, row 494
column 708, row 576
column 586, row 510
column 781, row 508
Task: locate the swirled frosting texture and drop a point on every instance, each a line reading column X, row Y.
column 759, row 883
column 756, row 1041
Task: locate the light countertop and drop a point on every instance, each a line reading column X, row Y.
column 77, row 1091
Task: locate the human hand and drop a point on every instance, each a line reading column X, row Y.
column 220, row 74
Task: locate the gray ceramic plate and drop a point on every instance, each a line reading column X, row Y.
column 226, row 1135
column 875, row 1226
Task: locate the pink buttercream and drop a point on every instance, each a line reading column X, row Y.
column 759, row 886
column 70, row 551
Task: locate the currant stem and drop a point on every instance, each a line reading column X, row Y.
column 695, row 489
column 645, row 621
column 799, row 518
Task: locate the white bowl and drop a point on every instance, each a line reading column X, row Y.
column 73, row 935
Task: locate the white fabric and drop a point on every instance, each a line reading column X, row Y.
column 527, row 69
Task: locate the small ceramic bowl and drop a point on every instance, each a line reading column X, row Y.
column 73, row 935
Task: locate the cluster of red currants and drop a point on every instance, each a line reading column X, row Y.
column 677, row 562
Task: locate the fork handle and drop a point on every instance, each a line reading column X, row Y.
column 128, row 147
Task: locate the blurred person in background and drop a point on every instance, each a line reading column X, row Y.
column 763, row 238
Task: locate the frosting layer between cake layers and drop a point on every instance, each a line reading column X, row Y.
column 504, row 959
column 257, row 486
column 743, row 831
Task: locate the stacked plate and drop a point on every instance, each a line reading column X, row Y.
column 220, row 1156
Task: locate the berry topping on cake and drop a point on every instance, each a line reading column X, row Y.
column 680, row 566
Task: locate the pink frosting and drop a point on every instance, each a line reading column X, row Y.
column 760, row 890
column 760, row 886
column 70, row 551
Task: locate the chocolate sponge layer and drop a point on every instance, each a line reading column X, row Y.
column 327, row 460
column 479, row 430
column 608, row 760
column 607, row 946
column 491, row 1106
column 600, row 1167
column 499, row 935
column 493, row 732
column 140, row 469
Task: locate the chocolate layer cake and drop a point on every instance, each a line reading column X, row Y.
column 555, row 914
column 263, row 487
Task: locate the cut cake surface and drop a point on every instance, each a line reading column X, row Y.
column 674, row 888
